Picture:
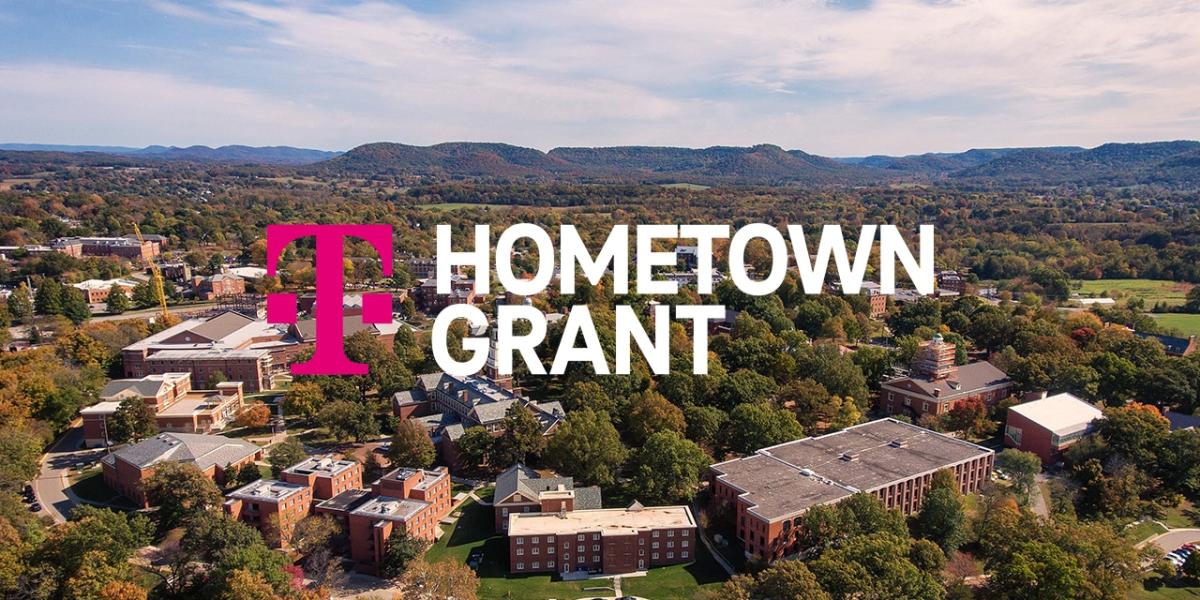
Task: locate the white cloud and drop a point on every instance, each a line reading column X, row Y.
column 895, row 76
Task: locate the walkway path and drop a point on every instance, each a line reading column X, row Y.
column 720, row 558
column 52, row 485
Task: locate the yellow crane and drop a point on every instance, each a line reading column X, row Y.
column 156, row 280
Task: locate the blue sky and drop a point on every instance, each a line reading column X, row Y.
column 844, row 77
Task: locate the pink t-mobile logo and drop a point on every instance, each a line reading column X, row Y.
column 329, row 355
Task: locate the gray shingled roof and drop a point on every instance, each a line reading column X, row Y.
column 144, row 388
column 202, row 450
column 520, row 478
column 221, row 325
column 969, row 378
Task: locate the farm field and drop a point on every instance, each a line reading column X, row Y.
column 1187, row 324
column 1152, row 291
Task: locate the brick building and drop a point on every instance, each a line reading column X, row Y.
column 771, row 490
column 273, row 507
column 610, row 541
column 211, row 346
column 126, row 468
column 451, row 404
column 521, row 490
column 253, row 367
column 1047, row 426
column 132, row 249
column 175, row 404
column 220, row 285
column 462, row 291
column 937, row 384
column 876, row 298
column 96, row 291
column 326, row 475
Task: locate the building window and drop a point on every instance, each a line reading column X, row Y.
column 654, row 556
column 550, row 550
column 595, row 548
column 683, row 555
column 537, row 565
column 580, row 560
column 535, row 551
column 671, row 533
column 520, row 552
column 654, row 545
column 670, row 555
column 550, row 565
column 521, row 566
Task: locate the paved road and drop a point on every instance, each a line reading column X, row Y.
column 1175, row 538
column 50, row 486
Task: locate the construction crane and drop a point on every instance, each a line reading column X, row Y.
column 156, row 280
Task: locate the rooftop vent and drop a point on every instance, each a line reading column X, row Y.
column 849, row 456
column 954, row 385
column 898, row 444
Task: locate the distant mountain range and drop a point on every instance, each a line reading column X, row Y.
column 266, row 155
column 1172, row 164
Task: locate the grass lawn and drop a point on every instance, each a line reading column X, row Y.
column 89, row 485
column 1143, row 531
column 1181, row 516
column 677, row 581
column 474, row 530
column 1152, row 291
column 1185, row 323
column 1154, row 591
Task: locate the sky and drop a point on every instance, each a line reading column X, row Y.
column 832, row 77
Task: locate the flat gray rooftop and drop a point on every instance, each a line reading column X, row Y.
column 791, row 477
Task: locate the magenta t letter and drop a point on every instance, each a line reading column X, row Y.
column 329, row 352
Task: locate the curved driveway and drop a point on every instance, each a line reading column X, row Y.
column 51, row 484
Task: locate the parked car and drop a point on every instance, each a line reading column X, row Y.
column 35, row 507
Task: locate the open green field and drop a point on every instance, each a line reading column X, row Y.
column 686, row 186
column 449, row 206
column 1186, row 323
column 1166, row 592
column 1152, row 291
column 89, row 485
column 474, row 529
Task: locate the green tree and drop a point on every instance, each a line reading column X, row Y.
column 285, row 454
column 588, row 447
column 115, row 534
column 475, row 447
column 402, row 549
column 117, row 302
column 349, row 421
column 303, row 398
column 49, row 298
column 20, row 453
column 131, row 422
column 648, row 413
column 874, row 566
column 209, row 536
column 704, row 424
column 784, row 580
column 522, row 436
column 74, row 306
column 941, row 519
column 20, row 305
column 757, row 425
column 1037, row 571
column 1191, row 566
column 1023, row 467
column 180, row 491
column 667, row 469
column 411, row 446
